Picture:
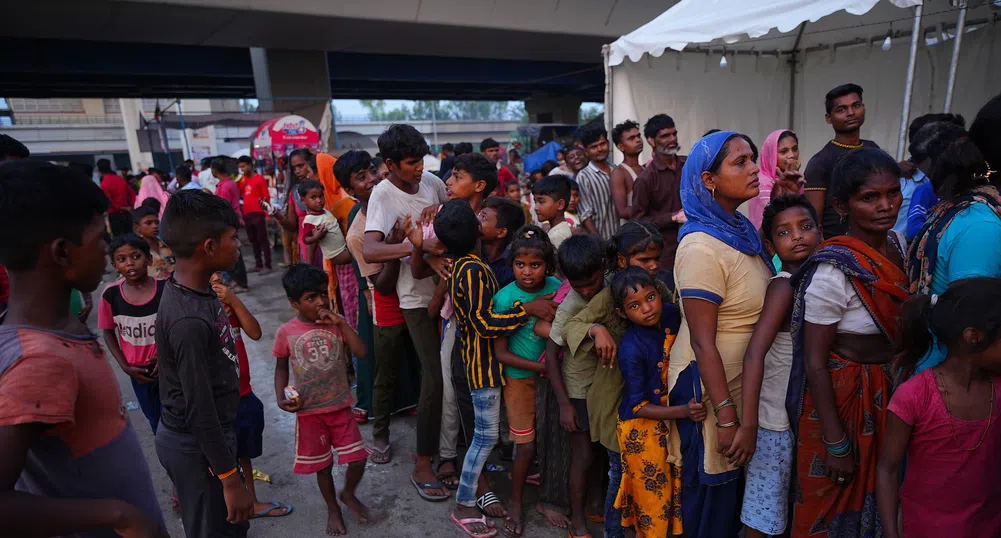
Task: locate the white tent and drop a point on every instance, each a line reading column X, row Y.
column 782, row 56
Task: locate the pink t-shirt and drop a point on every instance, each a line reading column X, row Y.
column 318, row 356
column 948, row 491
column 134, row 323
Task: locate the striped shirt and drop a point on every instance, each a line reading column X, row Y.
column 596, row 200
column 472, row 288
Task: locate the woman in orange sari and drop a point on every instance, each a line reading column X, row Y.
column 844, row 327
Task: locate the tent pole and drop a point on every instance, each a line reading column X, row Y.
column 905, row 114
column 793, row 60
column 954, row 65
column 605, row 51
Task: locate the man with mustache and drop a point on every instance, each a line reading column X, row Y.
column 846, row 114
column 657, row 191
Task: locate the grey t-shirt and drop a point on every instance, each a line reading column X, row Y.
column 199, row 370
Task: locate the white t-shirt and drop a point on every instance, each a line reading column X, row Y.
column 388, row 205
column 830, row 299
column 333, row 242
column 560, row 233
column 772, row 414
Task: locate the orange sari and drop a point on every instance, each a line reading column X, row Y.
column 861, row 392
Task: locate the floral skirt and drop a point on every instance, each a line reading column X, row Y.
column 650, row 492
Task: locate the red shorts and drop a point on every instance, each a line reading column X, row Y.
column 315, row 435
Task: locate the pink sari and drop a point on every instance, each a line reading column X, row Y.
column 151, row 188
column 766, row 177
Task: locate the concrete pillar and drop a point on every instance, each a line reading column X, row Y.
column 553, row 110
column 292, row 81
column 140, row 160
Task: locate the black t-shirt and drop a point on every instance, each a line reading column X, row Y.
column 199, row 370
column 818, row 178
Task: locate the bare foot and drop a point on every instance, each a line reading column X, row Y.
column 335, row 523
column 554, row 518
column 448, row 473
column 358, row 510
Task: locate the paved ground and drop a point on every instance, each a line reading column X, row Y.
column 386, row 488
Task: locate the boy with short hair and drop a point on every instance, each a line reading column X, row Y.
column 146, row 224
column 407, row 193
column 314, row 343
column 389, row 358
column 581, row 261
column 471, row 289
column 552, row 195
column 571, row 213
column 199, row 369
column 254, row 189
column 71, row 462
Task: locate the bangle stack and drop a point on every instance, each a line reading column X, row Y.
column 723, row 405
column 728, row 402
column 839, row 449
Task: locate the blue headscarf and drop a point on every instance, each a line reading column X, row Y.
column 704, row 213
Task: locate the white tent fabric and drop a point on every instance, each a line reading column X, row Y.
column 753, row 93
column 702, row 21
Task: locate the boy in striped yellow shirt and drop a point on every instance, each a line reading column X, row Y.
column 471, row 288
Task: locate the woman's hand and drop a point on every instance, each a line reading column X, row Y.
column 743, row 445
column 790, row 182
column 841, row 470
column 724, row 439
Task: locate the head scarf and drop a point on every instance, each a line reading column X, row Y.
column 151, row 188
column 766, row 177
column 704, row 213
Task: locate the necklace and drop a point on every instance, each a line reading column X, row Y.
column 846, row 146
column 952, row 428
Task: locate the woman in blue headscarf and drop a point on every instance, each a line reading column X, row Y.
column 722, row 272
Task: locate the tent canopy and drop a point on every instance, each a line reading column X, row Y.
column 702, row 21
column 778, row 80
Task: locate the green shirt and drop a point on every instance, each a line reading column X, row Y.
column 524, row 342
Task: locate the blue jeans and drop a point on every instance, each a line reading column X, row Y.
column 613, row 516
column 486, row 409
column 148, row 398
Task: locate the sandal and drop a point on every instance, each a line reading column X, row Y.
column 270, row 511
column 461, row 523
column 381, row 457
column 486, row 500
column 449, row 479
column 570, row 534
column 519, row 527
column 361, row 415
column 421, row 486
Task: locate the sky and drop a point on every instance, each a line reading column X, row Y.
column 351, row 108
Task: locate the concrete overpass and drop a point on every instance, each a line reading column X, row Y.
column 546, row 52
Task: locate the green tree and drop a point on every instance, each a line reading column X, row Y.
column 588, row 112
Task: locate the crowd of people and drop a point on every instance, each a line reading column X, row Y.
column 842, row 324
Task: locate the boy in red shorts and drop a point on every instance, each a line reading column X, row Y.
column 314, row 343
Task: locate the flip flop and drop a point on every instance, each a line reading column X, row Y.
column 274, row 506
column 381, row 457
column 360, row 415
column 461, row 523
column 570, row 534
column 421, row 486
column 596, row 518
column 519, row 528
column 486, row 500
column 443, row 476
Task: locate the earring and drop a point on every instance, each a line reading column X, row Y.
column 842, row 219
column 713, row 192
